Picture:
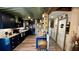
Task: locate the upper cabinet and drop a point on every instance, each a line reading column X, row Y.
column 8, row 21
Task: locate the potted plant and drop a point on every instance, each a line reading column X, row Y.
column 75, row 43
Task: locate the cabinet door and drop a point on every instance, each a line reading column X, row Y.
column 6, row 22
column 12, row 21
column 1, row 25
column 3, row 20
column 5, row 44
column 13, row 43
column 18, row 39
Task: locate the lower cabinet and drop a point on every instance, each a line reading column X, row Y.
column 8, row 44
column 14, row 41
column 5, row 44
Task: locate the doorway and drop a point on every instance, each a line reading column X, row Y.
column 59, row 29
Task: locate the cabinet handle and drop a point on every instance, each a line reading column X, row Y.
column 12, row 42
column 13, row 46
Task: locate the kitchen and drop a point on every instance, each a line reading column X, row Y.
column 12, row 31
column 17, row 24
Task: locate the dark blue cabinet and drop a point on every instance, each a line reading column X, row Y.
column 5, row 44
column 14, row 41
column 6, row 21
column 1, row 24
column 8, row 44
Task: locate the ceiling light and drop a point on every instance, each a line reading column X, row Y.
column 29, row 17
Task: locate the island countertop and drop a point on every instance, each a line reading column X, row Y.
column 14, row 34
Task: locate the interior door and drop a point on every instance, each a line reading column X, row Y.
column 52, row 28
column 61, row 32
column 55, row 28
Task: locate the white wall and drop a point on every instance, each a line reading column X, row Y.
column 69, row 20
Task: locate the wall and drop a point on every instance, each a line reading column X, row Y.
column 73, row 18
column 73, row 27
column 59, row 13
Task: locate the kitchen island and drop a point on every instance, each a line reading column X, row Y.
column 12, row 41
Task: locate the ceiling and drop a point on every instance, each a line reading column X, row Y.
column 34, row 12
column 24, row 11
column 56, row 14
